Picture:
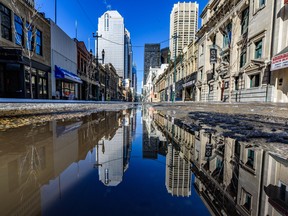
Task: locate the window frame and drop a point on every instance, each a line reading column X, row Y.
column 244, row 21
column 19, row 35
column 258, row 49
column 39, row 35
column 6, row 12
column 256, row 83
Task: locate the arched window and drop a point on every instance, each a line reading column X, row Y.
column 106, row 22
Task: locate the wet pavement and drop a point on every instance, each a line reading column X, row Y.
column 145, row 160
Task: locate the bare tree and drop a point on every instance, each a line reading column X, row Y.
column 26, row 40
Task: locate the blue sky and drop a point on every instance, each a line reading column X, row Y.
column 147, row 21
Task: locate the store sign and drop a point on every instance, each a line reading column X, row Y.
column 11, row 54
column 280, row 61
column 213, row 56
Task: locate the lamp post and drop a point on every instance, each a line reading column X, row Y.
column 97, row 63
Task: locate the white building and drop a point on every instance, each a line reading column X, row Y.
column 111, row 159
column 148, row 89
column 64, row 77
column 128, row 59
column 111, row 29
column 183, row 24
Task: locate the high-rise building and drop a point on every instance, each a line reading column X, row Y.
column 128, row 59
column 178, row 174
column 165, row 55
column 152, row 58
column 183, row 25
column 111, row 29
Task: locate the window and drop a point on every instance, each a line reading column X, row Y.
column 258, row 49
column 254, row 80
column 39, row 42
column 19, row 34
column 227, row 35
column 236, row 83
column 5, row 19
column 247, row 200
column 30, row 40
column 261, row 3
column 244, row 21
column 202, row 49
column 283, row 192
column 243, row 57
column 106, row 22
column 250, row 158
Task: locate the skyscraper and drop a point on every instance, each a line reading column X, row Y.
column 128, row 59
column 111, row 29
column 183, row 24
column 152, row 58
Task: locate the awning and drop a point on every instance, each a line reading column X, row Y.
column 61, row 73
column 280, row 60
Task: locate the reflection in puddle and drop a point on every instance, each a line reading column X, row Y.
column 158, row 165
column 232, row 177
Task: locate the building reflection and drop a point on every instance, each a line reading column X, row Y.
column 38, row 163
column 112, row 158
column 231, row 177
column 153, row 141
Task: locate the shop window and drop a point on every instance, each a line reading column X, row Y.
column 254, row 80
column 6, row 31
column 258, row 49
column 39, row 44
column 68, row 90
column 19, row 33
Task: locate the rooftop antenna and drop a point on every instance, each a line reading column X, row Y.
column 76, row 26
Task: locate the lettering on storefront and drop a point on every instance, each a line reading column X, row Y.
column 280, row 61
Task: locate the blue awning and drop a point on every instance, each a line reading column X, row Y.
column 61, row 73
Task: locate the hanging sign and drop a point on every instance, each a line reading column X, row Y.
column 208, row 150
column 213, row 55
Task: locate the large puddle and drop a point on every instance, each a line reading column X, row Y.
column 136, row 162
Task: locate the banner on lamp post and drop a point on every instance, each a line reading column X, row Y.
column 213, row 55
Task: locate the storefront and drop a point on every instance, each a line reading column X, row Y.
column 189, row 88
column 279, row 68
column 15, row 79
column 66, row 84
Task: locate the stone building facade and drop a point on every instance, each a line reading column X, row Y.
column 25, row 53
column 237, row 42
